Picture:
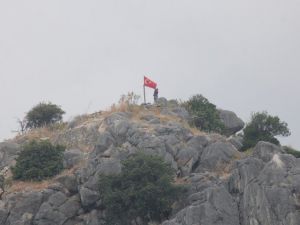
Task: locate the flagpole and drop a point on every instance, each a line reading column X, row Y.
column 144, row 94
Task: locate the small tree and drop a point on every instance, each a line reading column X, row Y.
column 205, row 116
column 43, row 114
column 264, row 127
column 142, row 192
column 38, row 160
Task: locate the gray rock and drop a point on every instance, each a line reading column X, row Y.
column 267, row 187
column 49, row 215
column 176, row 112
column 181, row 113
column 57, row 199
column 188, row 156
column 247, row 170
column 223, row 188
column 69, row 182
column 198, row 142
column 72, row 157
column 232, row 123
column 93, row 218
column 174, row 128
column 186, row 159
column 88, row 177
column 84, row 135
column 88, row 197
column 118, row 129
column 155, row 121
column 217, row 155
column 104, row 141
column 109, row 166
column 70, row 207
column 3, row 213
column 162, row 102
column 265, row 151
column 213, row 206
column 237, row 142
column 21, row 205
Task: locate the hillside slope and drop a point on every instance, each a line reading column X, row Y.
column 225, row 186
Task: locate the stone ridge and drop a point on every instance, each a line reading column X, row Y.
column 225, row 186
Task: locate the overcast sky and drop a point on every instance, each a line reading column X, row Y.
column 241, row 55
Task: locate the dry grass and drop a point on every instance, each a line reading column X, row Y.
column 19, row 186
column 47, row 132
column 35, row 134
column 181, row 181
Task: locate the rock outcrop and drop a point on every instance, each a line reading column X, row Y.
column 225, row 186
column 232, row 123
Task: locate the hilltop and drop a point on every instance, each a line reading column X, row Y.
column 225, row 186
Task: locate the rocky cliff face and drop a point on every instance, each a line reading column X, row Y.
column 226, row 187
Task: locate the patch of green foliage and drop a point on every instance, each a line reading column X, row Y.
column 205, row 115
column 264, row 127
column 142, row 192
column 292, row 151
column 38, row 160
column 43, row 114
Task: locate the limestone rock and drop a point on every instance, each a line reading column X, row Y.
column 217, row 156
column 72, row 157
column 232, row 123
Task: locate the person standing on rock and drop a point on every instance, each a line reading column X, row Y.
column 155, row 95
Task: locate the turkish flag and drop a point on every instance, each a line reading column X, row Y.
column 149, row 83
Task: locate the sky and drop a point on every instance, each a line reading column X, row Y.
column 243, row 55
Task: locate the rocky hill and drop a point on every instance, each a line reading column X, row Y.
column 225, row 186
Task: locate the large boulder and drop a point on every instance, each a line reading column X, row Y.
column 213, row 206
column 188, row 156
column 232, row 123
column 236, row 141
column 267, row 187
column 217, row 156
column 72, row 157
column 22, row 207
column 265, row 151
column 273, row 197
column 176, row 112
column 69, row 182
column 162, row 102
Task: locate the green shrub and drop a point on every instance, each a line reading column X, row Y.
column 43, row 114
column 38, row 160
column 292, row 151
column 264, row 127
column 143, row 191
column 205, row 116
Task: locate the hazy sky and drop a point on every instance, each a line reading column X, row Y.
column 242, row 55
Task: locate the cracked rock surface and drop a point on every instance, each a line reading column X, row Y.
column 225, row 186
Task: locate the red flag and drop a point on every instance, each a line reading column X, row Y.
column 149, row 83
